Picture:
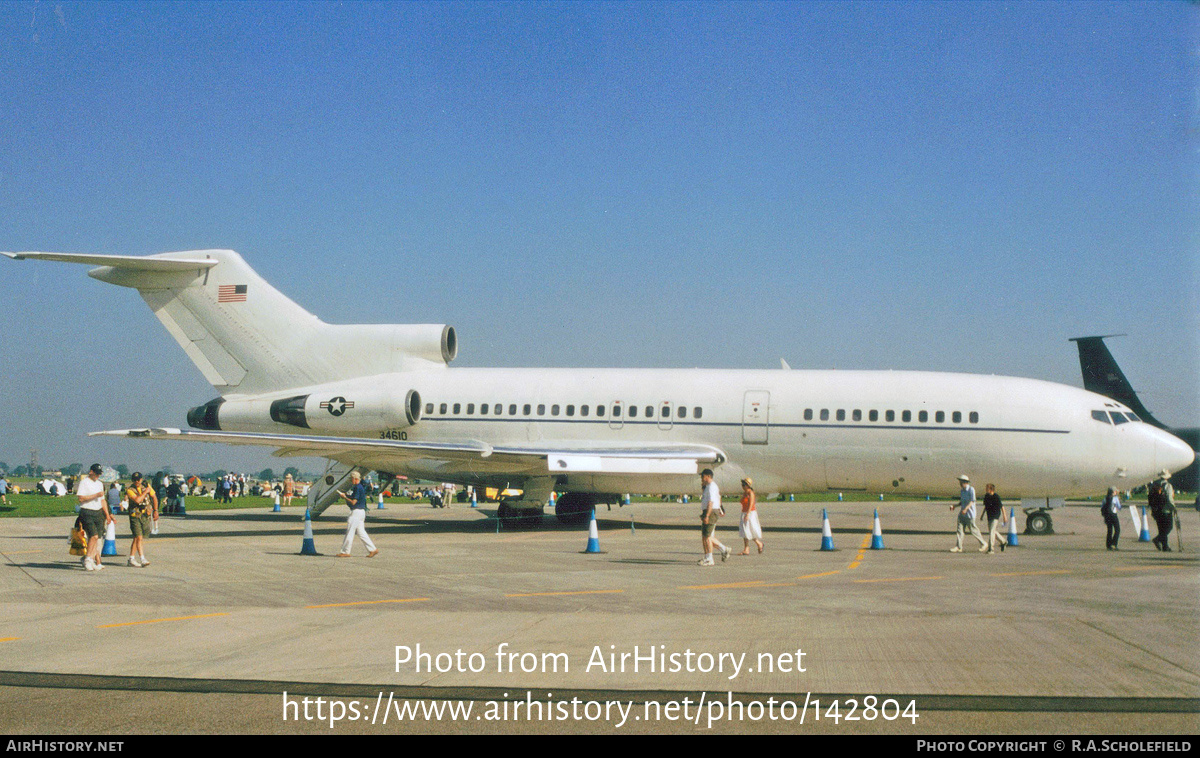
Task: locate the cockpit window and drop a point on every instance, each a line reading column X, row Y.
column 1117, row 418
column 1132, row 416
column 1100, row 416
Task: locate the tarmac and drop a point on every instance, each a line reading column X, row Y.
column 1054, row 636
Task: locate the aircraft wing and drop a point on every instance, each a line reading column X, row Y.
column 464, row 455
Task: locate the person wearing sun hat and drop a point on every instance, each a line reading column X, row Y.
column 966, row 515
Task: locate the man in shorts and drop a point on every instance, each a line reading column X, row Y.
column 711, row 500
column 94, row 515
column 3, row 489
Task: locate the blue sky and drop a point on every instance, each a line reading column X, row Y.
column 945, row 186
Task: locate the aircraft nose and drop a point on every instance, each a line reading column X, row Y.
column 1172, row 453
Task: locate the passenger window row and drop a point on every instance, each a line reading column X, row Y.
column 617, row 410
column 906, row 417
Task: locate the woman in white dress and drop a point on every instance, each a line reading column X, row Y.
column 749, row 528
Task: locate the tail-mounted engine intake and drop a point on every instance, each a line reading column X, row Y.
column 347, row 409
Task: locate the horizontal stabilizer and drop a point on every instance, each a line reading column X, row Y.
column 133, row 262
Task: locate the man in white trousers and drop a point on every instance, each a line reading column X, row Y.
column 356, row 498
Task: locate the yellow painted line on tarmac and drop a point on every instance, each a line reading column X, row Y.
column 815, row 576
column 730, row 586
column 156, row 621
column 861, row 552
column 369, row 602
column 1148, row 568
column 898, row 579
column 1033, row 573
column 577, row 592
column 8, row 639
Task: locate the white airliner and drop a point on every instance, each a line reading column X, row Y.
column 383, row 398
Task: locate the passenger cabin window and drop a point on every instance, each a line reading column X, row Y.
column 682, row 412
column 457, row 408
column 906, row 416
column 699, row 412
column 824, row 414
column 857, row 415
column 526, row 409
column 483, row 409
column 570, row 410
column 541, row 409
column 599, row 410
column 554, row 410
column 442, row 409
column 428, row 409
column 632, row 411
column 873, row 416
column 583, row 410
column 889, row 416
column 808, row 414
column 498, row 410
column 957, row 417
column 1101, row 416
column 841, row 415
column 974, row 417
column 616, row 410
column 470, row 408
column 512, row 409
column 649, row 411
column 923, row 416
column 940, row 417
column 666, row 411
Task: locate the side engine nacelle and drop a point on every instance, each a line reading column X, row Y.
column 345, row 408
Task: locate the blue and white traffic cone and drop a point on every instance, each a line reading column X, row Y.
column 276, row 509
column 881, row 497
column 110, row 539
column 839, row 497
column 791, row 497
column 474, row 499
column 1012, row 528
column 380, row 506
column 1145, row 535
column 625, row 499
column 308, row 547
column 593, row 545
column 826, row 532
column 877, row 533
column 1137, row 521
column 553, row 499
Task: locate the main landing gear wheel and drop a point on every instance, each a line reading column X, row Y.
column 574, row 508
column 1039, row 522
column 512, row 516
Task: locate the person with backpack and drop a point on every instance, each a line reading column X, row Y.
column 1161, row 498
column 1109, row 509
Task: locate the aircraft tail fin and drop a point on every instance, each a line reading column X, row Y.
column 247, row 337
column 1102, row 375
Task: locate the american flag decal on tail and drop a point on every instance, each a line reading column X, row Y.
column 231, row 293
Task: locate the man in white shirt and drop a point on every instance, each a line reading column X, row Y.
column 711, row 500
column 94, row 515
column 966, row 515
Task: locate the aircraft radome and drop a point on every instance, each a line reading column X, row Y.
column 383, row 398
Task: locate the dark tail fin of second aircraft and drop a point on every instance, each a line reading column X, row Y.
column 1102, row 375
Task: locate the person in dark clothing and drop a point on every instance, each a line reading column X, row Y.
column 995, row 516
column 1110, row 509
column 1161, row 498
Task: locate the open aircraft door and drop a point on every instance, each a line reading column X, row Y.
column 755, row 413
